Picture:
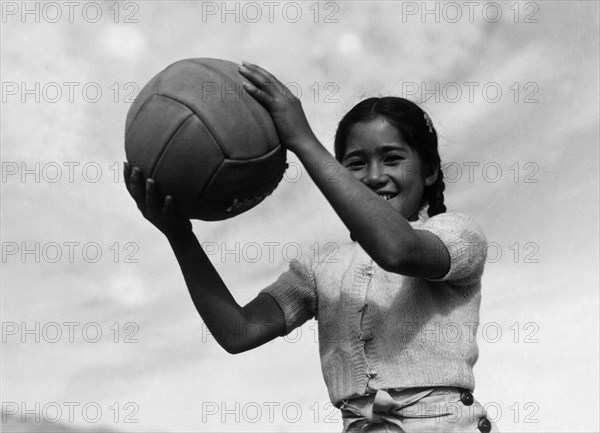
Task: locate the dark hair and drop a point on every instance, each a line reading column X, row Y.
column 414, row 126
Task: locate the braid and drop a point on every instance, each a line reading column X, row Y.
column 435, row 196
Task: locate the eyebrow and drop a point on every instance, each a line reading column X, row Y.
column 386, row 148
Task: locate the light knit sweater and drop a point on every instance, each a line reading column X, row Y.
column 381, row 330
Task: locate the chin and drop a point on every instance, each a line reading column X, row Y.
column 410, row 215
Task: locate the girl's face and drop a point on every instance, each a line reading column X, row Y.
column 379, row 157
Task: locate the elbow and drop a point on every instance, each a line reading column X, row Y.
column 235, row 349
column 237, row 345
column 232, row 350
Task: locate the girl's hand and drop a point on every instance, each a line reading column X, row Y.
column 285, row 109
column 144, row 193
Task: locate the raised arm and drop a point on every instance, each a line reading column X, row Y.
column 235, row 328
column 384, row 233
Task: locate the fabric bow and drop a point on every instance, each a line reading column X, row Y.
column 382, row 409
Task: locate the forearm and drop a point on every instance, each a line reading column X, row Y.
column 227, row 321
column 381, row 230
column 220, row 312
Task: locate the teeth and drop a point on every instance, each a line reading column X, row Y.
column 386, row 196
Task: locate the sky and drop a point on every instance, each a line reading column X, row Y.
column 98, row 331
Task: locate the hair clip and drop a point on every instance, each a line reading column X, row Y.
column 428, row 122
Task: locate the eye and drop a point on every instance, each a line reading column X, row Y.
column 355, row 164
column 394, row 159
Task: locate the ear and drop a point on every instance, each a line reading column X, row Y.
column 430, row 180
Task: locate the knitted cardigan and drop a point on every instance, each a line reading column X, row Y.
column 381, row 330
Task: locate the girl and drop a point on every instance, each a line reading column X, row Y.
column 399, row 309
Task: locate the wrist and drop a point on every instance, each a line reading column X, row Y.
column 178, row 236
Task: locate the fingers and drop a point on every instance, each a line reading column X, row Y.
column 264, row 86
column 136, row 186
column 134, row 181
column 263, row 97
column 143, row 191
column 151, row 201
column 168, row 207
column 263, row 74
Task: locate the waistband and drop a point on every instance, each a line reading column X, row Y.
column 401, row 407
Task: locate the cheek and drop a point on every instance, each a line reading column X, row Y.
column 407, row 174
column 412, row 171
column 411, row 182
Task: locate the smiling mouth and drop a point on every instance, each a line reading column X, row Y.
column 387, row 196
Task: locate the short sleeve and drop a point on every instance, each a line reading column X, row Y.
column 465, row 243
column 296, row 293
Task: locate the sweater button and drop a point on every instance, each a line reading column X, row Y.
column 466, row 398
column 369, row 271
column 484, row 425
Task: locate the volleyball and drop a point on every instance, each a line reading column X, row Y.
column 204, row 140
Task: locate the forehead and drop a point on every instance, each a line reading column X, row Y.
column 373, row 135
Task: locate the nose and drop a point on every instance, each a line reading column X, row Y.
column 375, row 177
